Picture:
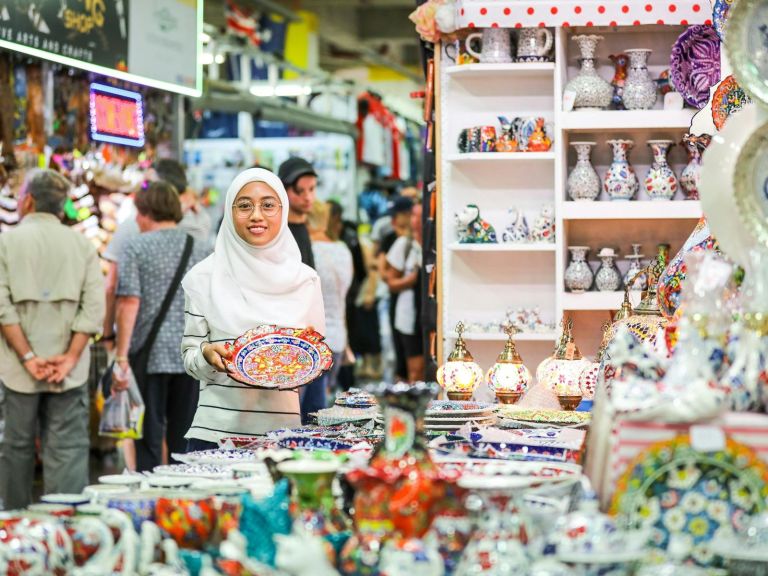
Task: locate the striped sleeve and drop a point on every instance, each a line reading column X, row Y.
column 196, row 333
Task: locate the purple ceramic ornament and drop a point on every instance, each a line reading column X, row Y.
column 695, row 64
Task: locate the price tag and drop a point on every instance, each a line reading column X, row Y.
column 707, row 438
column 569, row 98
column 673, row 101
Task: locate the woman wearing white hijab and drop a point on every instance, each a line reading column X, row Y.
column 255, row 276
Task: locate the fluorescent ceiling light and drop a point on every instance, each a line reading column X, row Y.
column 284, row 90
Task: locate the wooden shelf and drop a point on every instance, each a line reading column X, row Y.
column 597, row 300
column 590, row 121
column 632, row 210
column 500, row 157
column 503, row 247
column 476, row 71
column 501, row 337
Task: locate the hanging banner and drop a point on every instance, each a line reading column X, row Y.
column 150, row 42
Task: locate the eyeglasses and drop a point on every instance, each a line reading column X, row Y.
column 268, row 207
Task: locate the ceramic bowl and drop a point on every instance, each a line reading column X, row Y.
column 250, row 470
column 99, row 493
column 51, row 509
column 170, row 482
column 132, row 480
column 65, row 499
column 139, row 506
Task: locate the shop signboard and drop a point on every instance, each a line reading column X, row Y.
column 150, row 42
column 117, row 116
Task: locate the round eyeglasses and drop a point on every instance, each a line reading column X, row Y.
column 268, row 207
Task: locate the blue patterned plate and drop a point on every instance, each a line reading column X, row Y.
column 720, row 16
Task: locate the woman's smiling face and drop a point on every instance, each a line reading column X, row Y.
column 257, row 214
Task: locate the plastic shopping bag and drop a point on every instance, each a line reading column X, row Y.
column 123, row 413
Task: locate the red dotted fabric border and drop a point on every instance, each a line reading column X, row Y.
column 532, row 13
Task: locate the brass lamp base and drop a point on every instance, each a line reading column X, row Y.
column 508, row 397
column 569, row 402
column 460, row 396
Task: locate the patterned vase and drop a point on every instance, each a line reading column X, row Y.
column 689, row 179
column 620, row 180
column 639, row 88
column 578, row 275
column 641, row 282
column 591, row 90
column 620, row 62
column 607, row 278
column 660, row 182
column 583, row 182
column 672, row 278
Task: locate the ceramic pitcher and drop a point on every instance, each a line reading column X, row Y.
column 533, row 45
column 497, row 46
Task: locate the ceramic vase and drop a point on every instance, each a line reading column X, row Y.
column 660, row 182
column 641, row 282
column 689, row 179
column 607, row 278
column 591, row 90
column 620, row 180
column 583, row 182
column 578, row 275
column 639, row 88
column 620, row 62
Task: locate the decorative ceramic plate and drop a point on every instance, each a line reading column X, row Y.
column 279, row 358
column 720, row 12
column 546, row 416
column 440, row 407
column 728, row 99
column 308, row 443
column 687, row 497
column 695, row 64
column 196, row 470
column 748, row 48
column 750, row 185
column 219, row 456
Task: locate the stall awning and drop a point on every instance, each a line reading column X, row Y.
column 532, row 13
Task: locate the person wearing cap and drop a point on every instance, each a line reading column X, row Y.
column 300, row 181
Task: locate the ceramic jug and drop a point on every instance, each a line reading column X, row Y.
column 497, row 46
column 533, row 45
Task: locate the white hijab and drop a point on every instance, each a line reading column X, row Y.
column 240, row 286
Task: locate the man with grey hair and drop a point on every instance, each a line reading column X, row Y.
column 51, row 303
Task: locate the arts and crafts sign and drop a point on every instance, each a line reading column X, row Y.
column 152, row 42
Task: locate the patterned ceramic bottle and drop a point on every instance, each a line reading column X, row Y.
column 639, row 88
column 583, row 182
column 689, row 179
column 591, row 90
column 620, row 180
column 578, row 275
column 607, row 278
column 660, row 182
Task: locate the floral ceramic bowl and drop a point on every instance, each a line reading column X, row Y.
column 188, row 517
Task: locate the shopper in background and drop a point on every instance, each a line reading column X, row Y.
column 300, row 181
column 255, row 276
column 147, row 321
column 403, row 278
column 400, row 217
column 51, row 303
column 334, row 266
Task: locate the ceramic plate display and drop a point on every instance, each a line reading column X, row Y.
column 122, row 479
column 220, row 456
column 728, row 99
column 695, row 64
column 193, row 470
column 279, row 358
column 545, row 416
column 748, row 48
column 309, row 443
column 687, row 497
column 733, row 228
column 720, row 12
column 445, row 407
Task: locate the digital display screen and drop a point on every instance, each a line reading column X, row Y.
column 117, row 116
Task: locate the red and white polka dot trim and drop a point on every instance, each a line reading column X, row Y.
column 533, row 13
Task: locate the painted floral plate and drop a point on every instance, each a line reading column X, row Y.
column 687, row 497
column 545, row 416
column 728, row 99
column 279, row 358
column 695, row 64
column 720, row 12
column 748, row 48
column 309, row 443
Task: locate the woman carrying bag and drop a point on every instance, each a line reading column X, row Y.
column 255, row 276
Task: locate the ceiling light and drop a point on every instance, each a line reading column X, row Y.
column 206, row 58
column 219, row 59
column 205, row 38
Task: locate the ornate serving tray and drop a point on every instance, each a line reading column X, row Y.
column 276, row 358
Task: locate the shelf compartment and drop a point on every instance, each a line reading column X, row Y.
column 503, row 247
column 627, row 119
column 500, row 157
column 632, row 210
column 476, row 71
column 501, row 337
column 597, row 300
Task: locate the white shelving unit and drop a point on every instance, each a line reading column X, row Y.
column 484, row 281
